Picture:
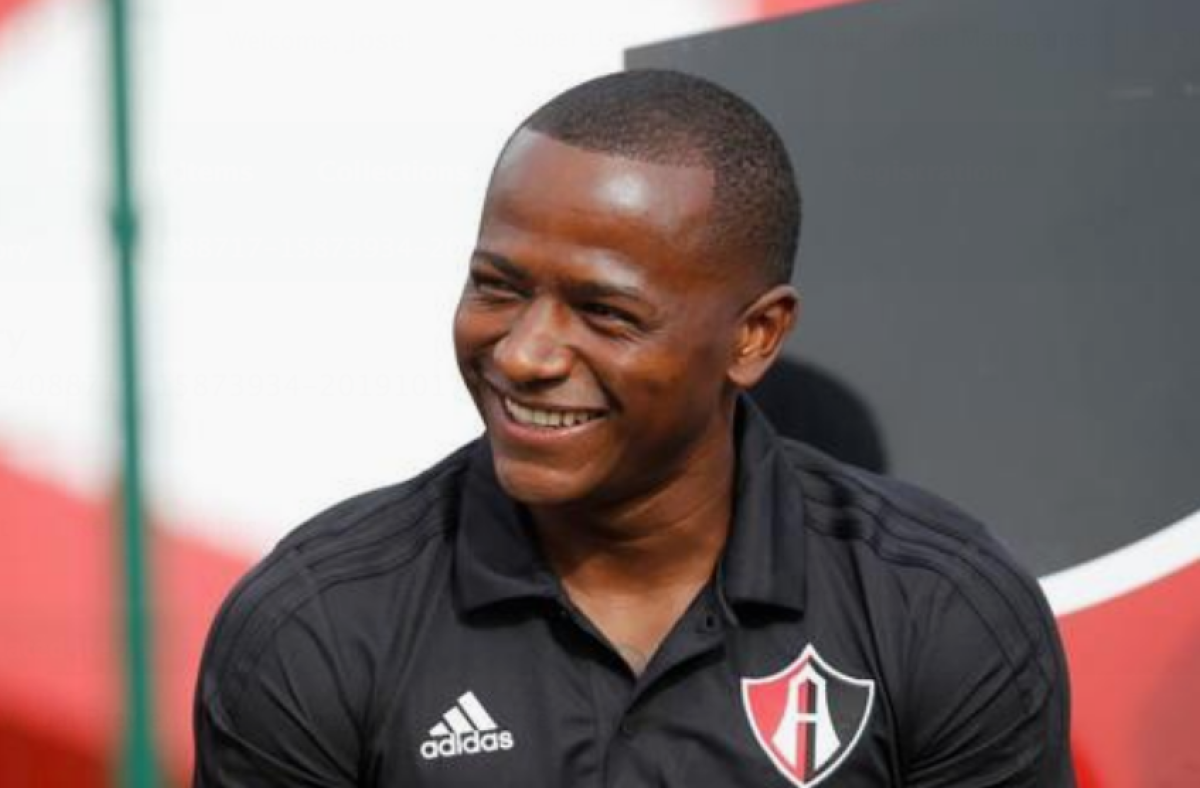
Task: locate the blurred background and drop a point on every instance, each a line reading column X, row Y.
column 307, row 178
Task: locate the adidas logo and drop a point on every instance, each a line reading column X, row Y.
column 466, row 729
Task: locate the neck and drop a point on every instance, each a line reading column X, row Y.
column 665, row 539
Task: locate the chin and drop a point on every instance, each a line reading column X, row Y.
column 537, row 485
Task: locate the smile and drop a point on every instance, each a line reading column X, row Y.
column 547, row 419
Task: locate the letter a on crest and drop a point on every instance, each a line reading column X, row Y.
column 808, row 717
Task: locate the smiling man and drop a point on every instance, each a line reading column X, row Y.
column 631, row 580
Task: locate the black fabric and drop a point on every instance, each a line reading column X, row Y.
column 356, row 650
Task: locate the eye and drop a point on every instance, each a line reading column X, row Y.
column 493, row 286
column 608, row 313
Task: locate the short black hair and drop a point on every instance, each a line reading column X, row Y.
column 668, row 117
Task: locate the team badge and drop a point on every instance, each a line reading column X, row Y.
column 808, row 717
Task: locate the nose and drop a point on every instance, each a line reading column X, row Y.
column 532, row 351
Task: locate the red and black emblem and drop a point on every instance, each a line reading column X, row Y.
column 808, row 716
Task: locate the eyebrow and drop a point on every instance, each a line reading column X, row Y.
column 598, row 290
column 582, row 290
column 504, row 265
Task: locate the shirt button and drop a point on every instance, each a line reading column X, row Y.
column 628, row 727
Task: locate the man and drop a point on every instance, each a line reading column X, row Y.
column 631, row 580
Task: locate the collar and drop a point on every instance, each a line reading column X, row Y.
column 497, row 558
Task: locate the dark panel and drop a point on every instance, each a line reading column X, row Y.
column 1001, row 252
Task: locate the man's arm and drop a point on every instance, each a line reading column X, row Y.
column 270, row 708
column 989, row 701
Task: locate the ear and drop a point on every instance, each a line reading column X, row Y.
column 763, row 326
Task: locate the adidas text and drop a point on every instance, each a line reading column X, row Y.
column 466, row 744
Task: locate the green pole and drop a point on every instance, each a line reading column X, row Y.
column 139, row 767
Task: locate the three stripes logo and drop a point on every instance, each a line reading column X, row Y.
column 466, row 729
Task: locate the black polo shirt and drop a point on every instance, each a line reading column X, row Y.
column 858, row 632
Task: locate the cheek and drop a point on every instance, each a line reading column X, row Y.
column 474, row 330
column 461, row 330
column 679, row 375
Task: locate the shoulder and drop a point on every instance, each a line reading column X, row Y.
column 922, row 553
column 964, row 637
column 332, row 567
column 290, row 670
column 903, row 527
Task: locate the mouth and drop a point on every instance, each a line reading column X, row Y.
column 552, row 419
column 526, row 421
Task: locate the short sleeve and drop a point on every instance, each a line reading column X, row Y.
column 988, row 691
column 270, row 708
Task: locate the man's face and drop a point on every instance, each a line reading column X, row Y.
column 592, row 332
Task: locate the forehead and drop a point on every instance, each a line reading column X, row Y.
column 557, row 192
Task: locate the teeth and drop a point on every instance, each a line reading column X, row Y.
column 550, row 419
